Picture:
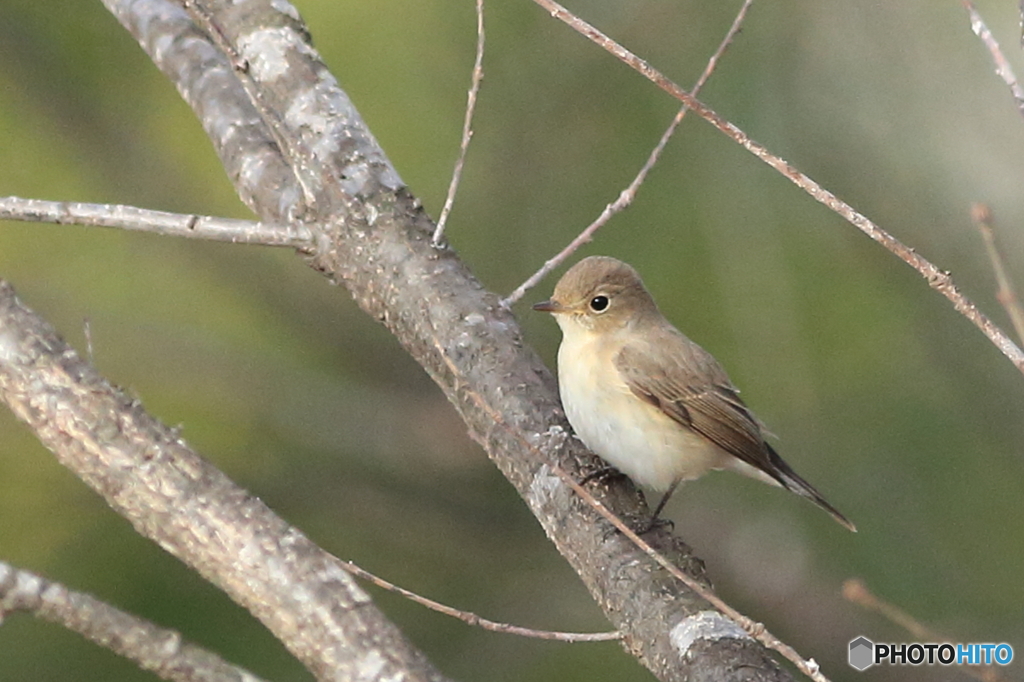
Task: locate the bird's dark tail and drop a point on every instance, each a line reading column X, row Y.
column 792, row 481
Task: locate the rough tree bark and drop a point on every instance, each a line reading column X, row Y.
column 298, row 152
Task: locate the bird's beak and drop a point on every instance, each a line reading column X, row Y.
column 550, row 306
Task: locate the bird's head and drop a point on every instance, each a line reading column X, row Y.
column 599, row 294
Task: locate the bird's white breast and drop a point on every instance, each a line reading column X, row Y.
column 635, row 437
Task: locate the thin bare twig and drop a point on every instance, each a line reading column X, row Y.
column 979, row 212
column 159, row 650
column 855, row 591
column 627, row 195
column 937, row 279
column 476, row 620
column 467, row 125
column 1003, row 69
column 756, row 630
column 156, row 222
column 1005, row 293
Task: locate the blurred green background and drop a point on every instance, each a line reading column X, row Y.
column 886, row 399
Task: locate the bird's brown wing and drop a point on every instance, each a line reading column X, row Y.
column 689, row 385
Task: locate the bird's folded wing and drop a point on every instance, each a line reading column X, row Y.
column 694, row 390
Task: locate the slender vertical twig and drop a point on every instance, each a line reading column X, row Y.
column 980, row 213
column 1005, row 293
column 627, row 195
column 467, row 125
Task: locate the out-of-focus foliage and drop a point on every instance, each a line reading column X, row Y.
column 893, row 405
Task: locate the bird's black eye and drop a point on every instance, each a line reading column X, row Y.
column 599, row 304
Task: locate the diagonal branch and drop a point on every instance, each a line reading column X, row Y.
column 150, row 476
column 754, row 629
column 937, row 279
column 321, row 166
column 153, row 648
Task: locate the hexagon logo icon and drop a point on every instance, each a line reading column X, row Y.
column 862, row 653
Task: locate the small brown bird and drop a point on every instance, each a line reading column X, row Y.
column 647, row 399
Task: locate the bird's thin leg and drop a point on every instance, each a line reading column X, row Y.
column 655, row 521
column 664, row 498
